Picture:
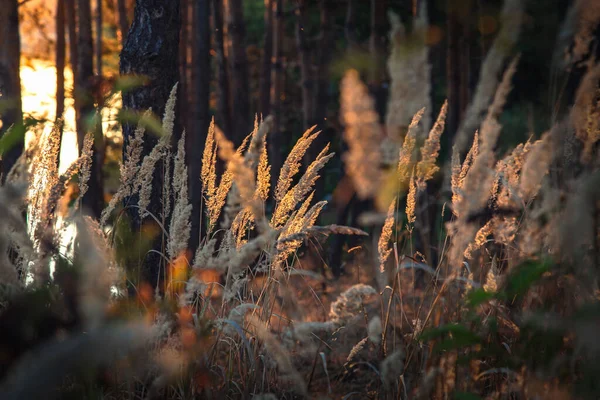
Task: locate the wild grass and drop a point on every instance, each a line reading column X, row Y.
column 508, row 307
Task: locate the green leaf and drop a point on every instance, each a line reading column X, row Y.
column 13, row 135
column 479, row 296
column 524, row 276
column 150, row 121
column 128, row 83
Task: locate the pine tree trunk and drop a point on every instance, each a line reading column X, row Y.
column 265, row 69
column 321, row 95
column 452, row 71
column 275, row 141
column 201, row 118
column 93, row 201
column 60, row 58
column 71, row 15
column 184, row 80
column 377, row 50
column 150, row 50
column 236, row 30
column 350, row 24
column 10, row 82
column 123, row 20
column 98, row 48
column 305, row 65
column 223, row 100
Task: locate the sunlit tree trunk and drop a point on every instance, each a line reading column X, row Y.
column 60, row 58
column 201, row 118
column 10, row 82
column 93, row 201
column 150, row 50
column 266, row 62
column 223, row 93
column 236, row 30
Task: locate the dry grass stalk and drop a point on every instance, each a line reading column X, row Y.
column 350, row 303
column 129, row 169
column 407, row 152
column 362, row 134
column 357, row 349
column 479, row 180
column 44, row 176
column 587, row 14
column 375, row 330
column 411, row 201
column 585, row 114
column 512, row 16
column 386, row 234
column 535, row 167
column 298, row 193
column 391, row 368
column 459, row 172
column 85, row 164
column 426, row 168
column 410, row 71
column 180, row 227
column 145, row 176
column 292, row 164
column 99, row 272
column 275, row 350
column 238, row 172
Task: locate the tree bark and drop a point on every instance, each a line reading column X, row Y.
column 453, row 75
column 306, row 80
column 93, row 200
column 71, row 15
column 201, row 118
column 223, row 100
column 275, row 140
column 265, row 69
column 321, row 95
column 123, row 20
column 377, row 49
column 184, row 79
column 10, row 82
column 150, row 50
column 98, row 48
column 350, row 24
column 60, row 58
column 239, row 71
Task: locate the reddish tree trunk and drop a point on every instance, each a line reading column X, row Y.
column 306, row 80
column 93, row 201
column 265, row 71
column 223, row 100
column 236, row 30
column 275, row 140
column 98, row 37
column 123, row 20
column 201, row 118
column 150, row 50
column 60, row 58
